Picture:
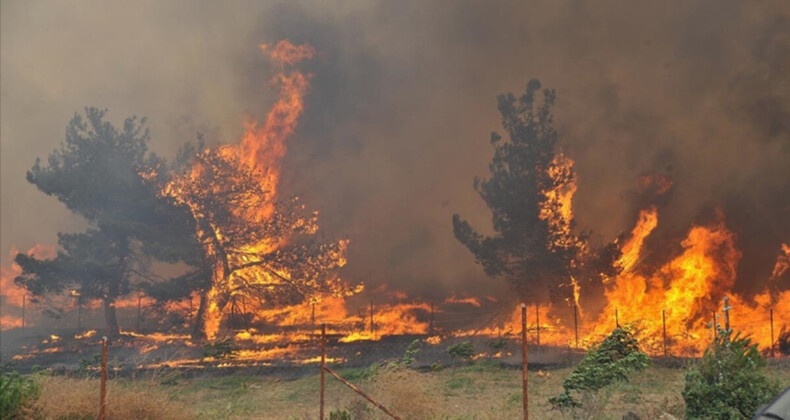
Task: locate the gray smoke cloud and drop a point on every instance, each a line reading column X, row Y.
column 402, row 103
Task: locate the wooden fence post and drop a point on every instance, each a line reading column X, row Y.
column 323, row 367
column 103, row 385
column 524, row 361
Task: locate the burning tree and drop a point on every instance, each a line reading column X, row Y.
column 258, row 248
column 95, row 174
column 529, row 194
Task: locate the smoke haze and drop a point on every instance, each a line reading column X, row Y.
column 402, row 102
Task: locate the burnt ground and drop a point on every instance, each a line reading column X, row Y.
column 30, row 350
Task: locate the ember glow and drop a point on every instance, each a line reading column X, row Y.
column 13, row 297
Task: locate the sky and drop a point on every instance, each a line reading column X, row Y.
column 402, row 103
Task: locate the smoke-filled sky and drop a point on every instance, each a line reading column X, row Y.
column 402, row 102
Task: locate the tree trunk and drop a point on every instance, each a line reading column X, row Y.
column 110, row 319
column 114, row 289
column 199, row 327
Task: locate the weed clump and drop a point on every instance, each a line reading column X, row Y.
column 17, row 394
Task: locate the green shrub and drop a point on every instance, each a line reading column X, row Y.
column 496, row 346
column 728, row 382
column 223, row 349
column 611, row 361
column 339, row 415
column 463, row 351
column 16, row 394
column 408, row 356
column 784, row 342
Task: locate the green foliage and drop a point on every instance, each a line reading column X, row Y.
column 611, row 361
column 339, row 415
column 495, row 346
column 527, row 248
column 729, row 381
column 16, row 394
column 784, row 342
column 94, row 173
column 221, row 349
column 462, row 351
column 408, row 356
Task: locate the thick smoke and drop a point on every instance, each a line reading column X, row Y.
column 403, row 100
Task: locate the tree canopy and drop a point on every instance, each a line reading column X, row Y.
column 534, row 246
column 95, row 174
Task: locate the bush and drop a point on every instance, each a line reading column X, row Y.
column 223, row 349
column 784, row 342
column 496, row 346
column 17, row 393
column 611, row 361
column 408, row 356
column 729, row 382
column 463, row 351
column 339, row 415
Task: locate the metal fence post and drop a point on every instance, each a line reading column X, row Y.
column 103, row 385
column 323, row 365
column 524, row 361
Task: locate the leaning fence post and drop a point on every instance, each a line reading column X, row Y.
column 362, row 393
column 103, row 386
column 524, row 360
column 664, row 321
column 323, row 365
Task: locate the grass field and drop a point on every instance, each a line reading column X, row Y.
column 484, row 390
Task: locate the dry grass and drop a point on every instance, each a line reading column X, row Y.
column 76, row 399
column 481, row 391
